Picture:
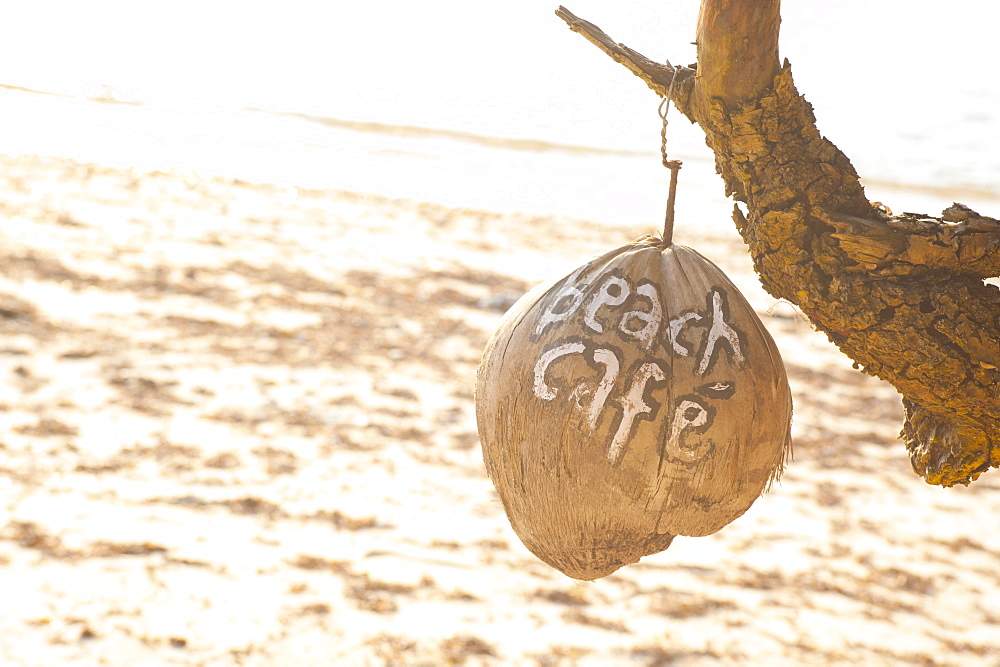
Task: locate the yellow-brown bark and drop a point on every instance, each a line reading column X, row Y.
column 902, row 296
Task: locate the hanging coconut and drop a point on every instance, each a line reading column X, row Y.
column 636, row 399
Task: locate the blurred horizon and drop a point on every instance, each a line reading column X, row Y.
column 237, row 397
column 400, row 99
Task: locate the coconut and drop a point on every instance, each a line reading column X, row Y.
column 635, row 399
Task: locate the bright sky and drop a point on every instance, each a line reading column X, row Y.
column 875, row 71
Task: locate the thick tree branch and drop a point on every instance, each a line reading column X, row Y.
column 962, row 242
column 732, row 67
column 903, row 296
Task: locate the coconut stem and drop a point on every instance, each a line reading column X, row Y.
column 668, row 223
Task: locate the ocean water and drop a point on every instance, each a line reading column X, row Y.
column 478, row 104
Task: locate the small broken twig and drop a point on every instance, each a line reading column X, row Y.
column 657, row 76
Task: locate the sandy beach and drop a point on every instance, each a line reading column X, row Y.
column 237, row 428
column 250, row 256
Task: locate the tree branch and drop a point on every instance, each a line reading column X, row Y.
column 903, row 296
column 961, row 242
column 657, row 76
column 732, row 68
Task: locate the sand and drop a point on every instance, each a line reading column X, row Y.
column 237, row 427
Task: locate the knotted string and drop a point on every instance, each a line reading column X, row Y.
column 673, row 165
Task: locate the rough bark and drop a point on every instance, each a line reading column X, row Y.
column 903, row 296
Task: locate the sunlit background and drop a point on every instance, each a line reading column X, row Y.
column 280, row 91
column 250, row 254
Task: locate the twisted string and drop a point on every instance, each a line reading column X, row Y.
column 673, row 165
